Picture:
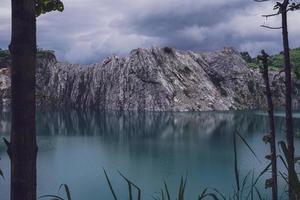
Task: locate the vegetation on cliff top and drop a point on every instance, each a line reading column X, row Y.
column 276, row 61
column 5, row 59
column 4, row 53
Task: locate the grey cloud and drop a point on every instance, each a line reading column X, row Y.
column 168, row 22
column 87, row 32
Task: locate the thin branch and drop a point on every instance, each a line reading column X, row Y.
column 271, row 15
column 270, row 27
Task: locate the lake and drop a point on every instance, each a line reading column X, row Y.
column 148, row 148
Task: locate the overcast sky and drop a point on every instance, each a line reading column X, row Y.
column 89, row 30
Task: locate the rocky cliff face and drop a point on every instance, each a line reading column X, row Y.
column 156, row 79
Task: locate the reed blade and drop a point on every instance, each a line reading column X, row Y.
column 110, row 185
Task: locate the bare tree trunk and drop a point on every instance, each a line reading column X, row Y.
column 272, row 141
column 23, row 147
column 288, row 106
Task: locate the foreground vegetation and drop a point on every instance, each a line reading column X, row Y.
column 245, row 187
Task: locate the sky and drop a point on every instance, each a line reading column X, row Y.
column 88, row 31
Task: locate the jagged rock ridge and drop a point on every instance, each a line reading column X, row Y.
column 156, row 79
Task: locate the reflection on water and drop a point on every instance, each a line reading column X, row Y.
column 148, row 147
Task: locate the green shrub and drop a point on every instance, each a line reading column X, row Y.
column 4, row 53
column 277, row 61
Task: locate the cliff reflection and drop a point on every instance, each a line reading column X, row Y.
column 130, row 125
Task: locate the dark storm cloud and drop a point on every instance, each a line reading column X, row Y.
column 170, row 21
column 87, row 32
column 207, row 27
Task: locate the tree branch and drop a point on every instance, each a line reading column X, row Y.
column 261, row 0
column 270, row 27
column 271, row 15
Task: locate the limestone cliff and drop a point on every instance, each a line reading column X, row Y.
column 156, row 79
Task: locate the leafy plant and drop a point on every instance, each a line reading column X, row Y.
column 45, row 6
column 277, row 61
column 4, row 53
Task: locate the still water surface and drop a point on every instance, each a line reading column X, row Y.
column 149, row 148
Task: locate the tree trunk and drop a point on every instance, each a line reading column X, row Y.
column 23, row 147
column 265, row 73
column 288, row 96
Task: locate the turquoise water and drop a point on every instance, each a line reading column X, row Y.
column 148, row 148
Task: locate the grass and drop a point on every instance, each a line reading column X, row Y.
column 57, row 197
column 245, row 188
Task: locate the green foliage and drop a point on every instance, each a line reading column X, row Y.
column 4, row 53
column 253, row 65
column 252, row 62
column 45, row 6
column 277, row 62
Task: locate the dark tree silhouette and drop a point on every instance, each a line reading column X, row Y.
column 271, row 138
column 282, row 9
column 22, row 149
column 246, row 56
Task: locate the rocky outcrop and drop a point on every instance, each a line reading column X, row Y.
column 5, row 88
column 156, row 79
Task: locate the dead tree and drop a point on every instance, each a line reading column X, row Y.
column 271, row 138
column 22, row 148
column 282, row 9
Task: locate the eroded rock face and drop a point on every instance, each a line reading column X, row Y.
column 156, row 79
column 5, row 88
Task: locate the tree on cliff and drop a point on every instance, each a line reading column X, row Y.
column 22, row 149
column 246, row 56
column 282, row 9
